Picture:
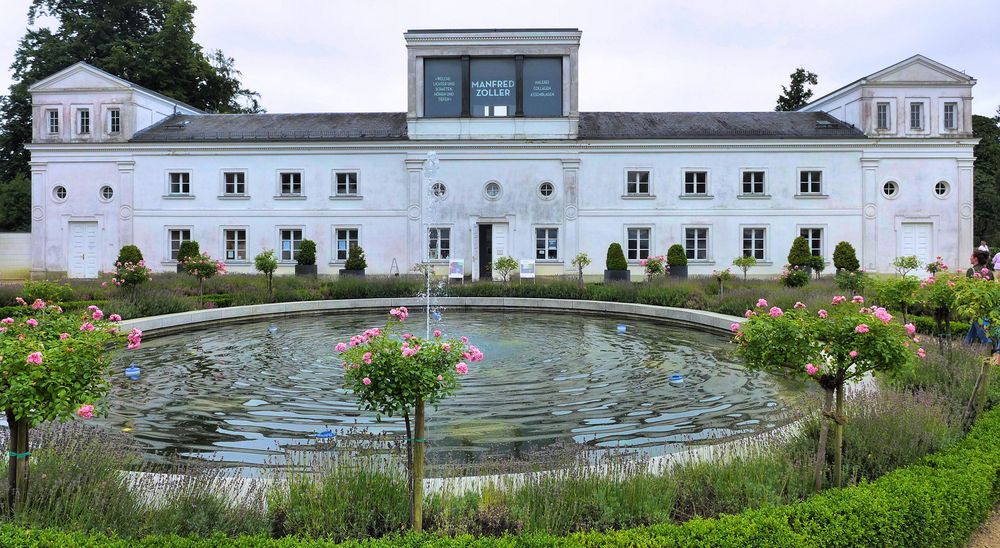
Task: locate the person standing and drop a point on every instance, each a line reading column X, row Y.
column 984, row 247
column 980, row 268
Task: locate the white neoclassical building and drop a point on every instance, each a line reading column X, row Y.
column 884, row 163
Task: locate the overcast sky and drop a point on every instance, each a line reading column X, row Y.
column 341, row 56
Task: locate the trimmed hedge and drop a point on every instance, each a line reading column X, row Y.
column 939, row 501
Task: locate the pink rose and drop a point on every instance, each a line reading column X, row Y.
column 748, row 313
column 437, row 333
column 823, row 313
column 464, row 339
column 35, row 358
column 38, row 304
column 839, row 299
column 761, row 302
column 811, row 369
column 857, row 299
column 800, row 305
column 862, row 328
column 32, row 322
column 461, row 368
column 406, row 336
column 63, row 336
column 87, row 326
column 7, row 321
column 776, row 312
column 366, row 381
column 853, row 354
column 367, row 358
column 734, row 327
column 446, row 347
column 98, row 314
column 910, row 329
column 440, row 378
column 341, row 347
column 114, row 318
column 85, row 411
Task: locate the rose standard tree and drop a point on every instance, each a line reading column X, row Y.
column 52, row 366
column 398, row 375
column 832, row 347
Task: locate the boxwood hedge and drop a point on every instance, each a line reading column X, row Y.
column 939, row 501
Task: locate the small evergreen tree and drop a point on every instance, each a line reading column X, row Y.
column 799, row 255
column 129, row 254
column 188, row 250
column 845, row 258
column 355, row 258
column 307, row 253
column 616, row 258
column 676, row 256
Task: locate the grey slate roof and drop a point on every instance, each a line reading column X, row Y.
column 596, row 126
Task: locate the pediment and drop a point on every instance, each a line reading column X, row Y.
column 80, row 76
column 919, row 69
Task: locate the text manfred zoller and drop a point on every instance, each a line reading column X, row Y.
column 492, row 88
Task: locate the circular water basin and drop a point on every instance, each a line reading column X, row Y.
column 244, row 393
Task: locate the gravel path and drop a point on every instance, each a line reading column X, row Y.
column 988, row 535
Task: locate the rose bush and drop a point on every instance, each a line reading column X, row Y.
column 395, row 374
column 52, row 366
column 203, row 267
column 831, row 346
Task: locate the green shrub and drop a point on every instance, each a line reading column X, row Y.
column 676, row 255
column 818, row 264
column 800, row 255
column 187, row 250
column 845, row 258
column 50, row 292
column 355, row 258
column 129, row 254
column 307, row 253
column 616, row 258
column 745, row 263
column 794, row 276
column 505, row 266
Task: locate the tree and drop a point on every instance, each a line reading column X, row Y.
column 55, row 366
column 203, row 267
column 504, row 266
column 399, row 376
column 266, row 263
column 845, row 258
column 15, row 204
column 799, row 254
column 986, row 178
column 581, row 261
column 797, row 94
column 744, row 263
column 616, row 258
column 148, row 42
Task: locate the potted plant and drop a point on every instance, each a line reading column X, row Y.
column 677, row 261
column 187, row 250
column 616, row 267
column 800, row 255
column 356, row 264
column 306, row 259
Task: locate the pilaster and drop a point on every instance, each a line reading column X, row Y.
column 964, row 193
column 126, row 203
column 571, row 221
column 869, row 214
column 38, row 234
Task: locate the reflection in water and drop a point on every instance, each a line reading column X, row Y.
column 241, row 394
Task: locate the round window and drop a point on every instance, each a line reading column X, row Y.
column 942, row 188
column 493, row 190
column 107, row 193
column 59, row 193
column 546, row 189
column 890, row 189
column 439, row 190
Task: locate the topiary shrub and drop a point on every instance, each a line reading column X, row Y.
column 800, row 255
column 616, row 258
column 845, row 258
column 307, row 253
column 188, row 250
column 676, row 256
column 129, row 254
column 355, row 258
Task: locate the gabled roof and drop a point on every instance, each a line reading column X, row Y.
column 382, row 126
column 84, row 67
column 915, row 70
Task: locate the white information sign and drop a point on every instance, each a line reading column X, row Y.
column 456, row 269
column 527, row 269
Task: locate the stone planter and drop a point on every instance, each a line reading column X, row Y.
column 180, row 268
column 680, row 272
column 617, row 276
column 306, row 270
column 352, row 273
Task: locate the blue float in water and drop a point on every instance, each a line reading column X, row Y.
column 326, row 434
column 621, row 328
column 436, row 315
column 272, row 329
column 676, row 379
column 132, row 372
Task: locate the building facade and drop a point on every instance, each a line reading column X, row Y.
column 884, row 163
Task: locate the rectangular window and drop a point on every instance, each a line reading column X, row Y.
column 235, row 183
column 546, row 243
column 439, row 242
column 810, row 182
column 916, row 116
column 695, row 182
column 346, row 239
column 83, row 121
column 291, row 242
column 114, row 121
column 291, row 183
column 753, row 182
column 638, row 244
column 637, row 183
column 815, row 238
column 696, row 243
column 347, row 184
column 177, row 237
column 753, row 242
column 882, row 115
column 492, row 89
column 951, row 116
column 236, row 244
column 53, row 121
column 180, row 183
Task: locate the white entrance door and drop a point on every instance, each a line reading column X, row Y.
column 83, row 246
column 915, row 239
column 500, row 241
